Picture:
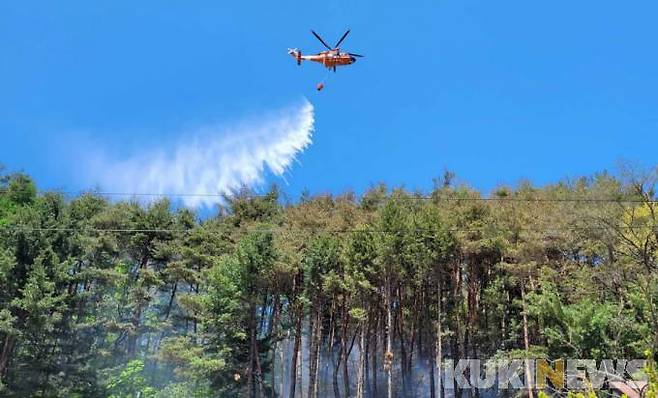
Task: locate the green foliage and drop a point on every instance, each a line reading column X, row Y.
column 185, row 390
column 124, row 300
column 21, row 190
column 652, row 377
column 586, row 328
column 589, row 394
column 189, row 359
column 129, row 382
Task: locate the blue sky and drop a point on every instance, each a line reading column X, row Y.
column 495, row 91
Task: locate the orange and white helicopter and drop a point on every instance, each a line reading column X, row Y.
column 331, row 58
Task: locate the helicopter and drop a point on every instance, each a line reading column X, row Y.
column 331, row 58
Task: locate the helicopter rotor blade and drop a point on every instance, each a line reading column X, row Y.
column 342, row 38
column 356, row 55
column 321, row 41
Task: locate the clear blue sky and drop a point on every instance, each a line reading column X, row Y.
column 495, row 91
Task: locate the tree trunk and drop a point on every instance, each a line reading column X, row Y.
column 256, row 375
column 375, row 342
column 311, row 353
column 335, row 375
column 300, row 367
column 282, row 359
column 432, row 380
column 412, row 343
column 360, row 391
column 388, row 356
column 295, row 355
column 195, row 320
column 439, row 335
column 270, row 333
column 137, row 313
column 135, row 321
column 503, row 322
column 345, row 352
column 5, row 355
column 314, row 351
column 403, row 348
column 171, row 300
column 526, row 343
column 317, row 363
column 457, row 346
column 472, row 317
column 366, row 365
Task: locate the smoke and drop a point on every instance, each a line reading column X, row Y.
column 213, row 160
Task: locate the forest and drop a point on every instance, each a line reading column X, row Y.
column 326, row 296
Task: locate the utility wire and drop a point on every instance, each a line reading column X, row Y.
column 332, row 231
column 415, row 197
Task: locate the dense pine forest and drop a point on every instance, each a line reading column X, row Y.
column 327, row 296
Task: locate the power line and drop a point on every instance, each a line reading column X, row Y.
column 415, row 197
column 332, row 231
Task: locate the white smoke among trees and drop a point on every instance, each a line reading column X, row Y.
column 213, row 160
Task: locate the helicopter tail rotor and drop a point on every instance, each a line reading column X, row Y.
column 295, row 53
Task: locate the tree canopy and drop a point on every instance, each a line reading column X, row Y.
column 331, row 296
